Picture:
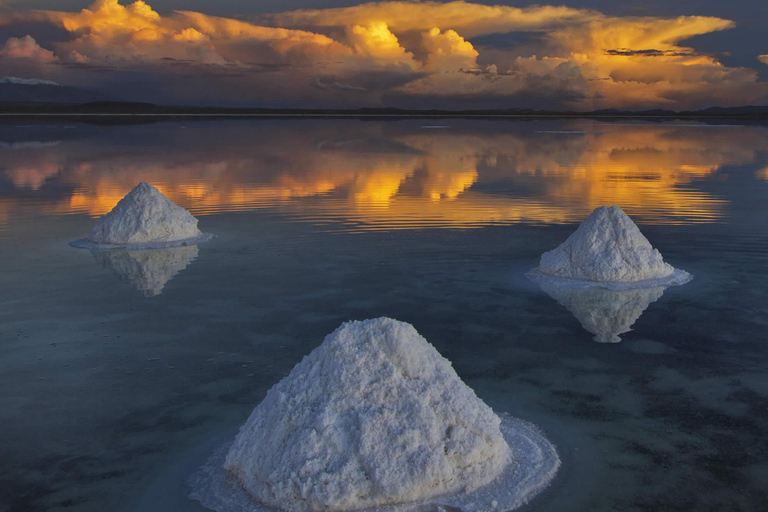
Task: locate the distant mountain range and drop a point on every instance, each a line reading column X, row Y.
column 44, row 97
column 37, row 92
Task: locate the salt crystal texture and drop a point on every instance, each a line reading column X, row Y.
column 606, row 247
column 373, row 416
column 144, row 215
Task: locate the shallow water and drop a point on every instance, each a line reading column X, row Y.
column 119, row 372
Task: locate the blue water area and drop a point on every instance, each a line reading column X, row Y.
column 120, row 371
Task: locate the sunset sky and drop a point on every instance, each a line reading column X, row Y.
column 585, row 55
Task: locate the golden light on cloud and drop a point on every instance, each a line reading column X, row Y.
column 579, row 59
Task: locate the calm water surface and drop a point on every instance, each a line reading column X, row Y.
column 120, row 370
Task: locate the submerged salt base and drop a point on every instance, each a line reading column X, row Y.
column 609, row 248
column 535, row 465
column 144, row 219
column 676, row 278
column 371, row 419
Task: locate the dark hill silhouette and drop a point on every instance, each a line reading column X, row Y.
column 106, row 107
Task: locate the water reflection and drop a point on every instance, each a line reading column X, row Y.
column 392, row 175
column 605, row 313
column 148, row 271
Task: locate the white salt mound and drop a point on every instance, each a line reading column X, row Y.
column 373, row 416
column 606, row 247
column 145, row 215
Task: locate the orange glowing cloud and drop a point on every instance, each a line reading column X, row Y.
column 580, row 58
column 466, row 18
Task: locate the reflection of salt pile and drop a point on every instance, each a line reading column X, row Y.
column 604, row 313
column 145, row 215
column 374, row 417
column 148, row 270
column 609, row 248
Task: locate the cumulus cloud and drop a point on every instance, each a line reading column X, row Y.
column 579, row 59
column 26, row 48
column 466, row 18
column 763, row 58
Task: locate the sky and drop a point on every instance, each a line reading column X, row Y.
column 574, row 55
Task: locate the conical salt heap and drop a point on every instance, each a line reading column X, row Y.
column 607, row 246
column 373, row 416
column 144, row 215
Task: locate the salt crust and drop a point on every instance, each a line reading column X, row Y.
column 372, row 418
column 607, row 247
column 535, row 465
column 144, row 216
column 676, row 278
column 83, row 243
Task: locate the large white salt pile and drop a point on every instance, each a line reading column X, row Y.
column 373, row 416
column 145, row 215
column 606, row 247
column 376, row 419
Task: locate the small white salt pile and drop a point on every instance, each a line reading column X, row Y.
column 609, row 247
column 144, row 216
column 376, row 417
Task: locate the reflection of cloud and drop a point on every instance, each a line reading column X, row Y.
column 762, row 173
column 396, row 175
column 604, row 313
column 32, row 177
column 150, row 270
column 4, row 207
column 582, row 58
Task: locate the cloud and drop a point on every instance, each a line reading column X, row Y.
column 26, row 48
column 405, row 51
column 763, row 59
column 466, row 18
column 626, row 52
column 447, row 51
column 339, row 86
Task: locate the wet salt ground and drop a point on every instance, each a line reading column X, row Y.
column 104, row 389
column 108, row 399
